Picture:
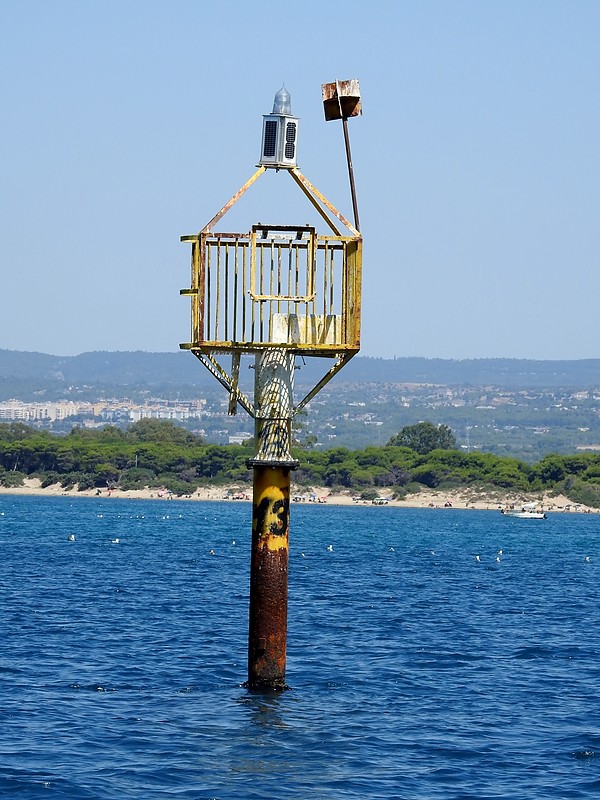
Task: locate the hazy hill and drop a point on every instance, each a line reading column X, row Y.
column 181, row 368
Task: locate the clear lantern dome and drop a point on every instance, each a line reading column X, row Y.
column 283, row 103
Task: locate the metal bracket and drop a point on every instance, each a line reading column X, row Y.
column 342, row 360
column 230, row 383
column 235, row 376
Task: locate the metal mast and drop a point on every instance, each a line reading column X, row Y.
column 273, row 293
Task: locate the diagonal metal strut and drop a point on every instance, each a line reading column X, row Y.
column 217, row 371
column 342, row 359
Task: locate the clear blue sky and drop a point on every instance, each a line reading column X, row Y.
column 126, row 123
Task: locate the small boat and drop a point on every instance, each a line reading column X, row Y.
column 527, row 511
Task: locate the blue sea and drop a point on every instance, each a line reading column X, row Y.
column 416, row 669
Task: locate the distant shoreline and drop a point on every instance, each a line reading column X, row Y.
column 428, row 498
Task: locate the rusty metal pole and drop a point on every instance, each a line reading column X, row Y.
column 341, row 100
column 350, row 172
column 272, row 464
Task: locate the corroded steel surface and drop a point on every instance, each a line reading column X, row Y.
column 267, row 632
column 341, row 99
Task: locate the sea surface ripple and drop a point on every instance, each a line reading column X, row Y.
column 432, row 654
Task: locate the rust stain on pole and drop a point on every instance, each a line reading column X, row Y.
column 272, row 463
column 267, row 634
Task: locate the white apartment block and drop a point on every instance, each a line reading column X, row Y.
column 16, row 410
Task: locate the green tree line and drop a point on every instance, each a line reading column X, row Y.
column 155, row 453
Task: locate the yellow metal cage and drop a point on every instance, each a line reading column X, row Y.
column 278, row 285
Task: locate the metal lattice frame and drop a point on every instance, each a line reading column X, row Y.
column 275, row 286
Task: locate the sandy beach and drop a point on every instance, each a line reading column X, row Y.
column 428, row 498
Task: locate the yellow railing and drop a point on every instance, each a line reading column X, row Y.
column 277, row 285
